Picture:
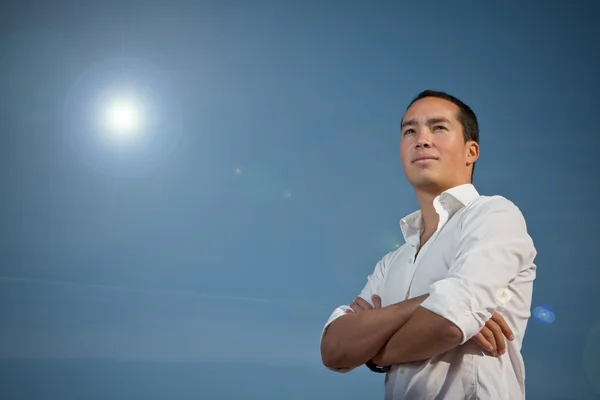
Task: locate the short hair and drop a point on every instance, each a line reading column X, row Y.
column 466, row 116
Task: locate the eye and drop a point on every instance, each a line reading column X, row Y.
column 438, row 128
column 406, row 132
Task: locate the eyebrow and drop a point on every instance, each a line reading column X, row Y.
column 430, row 121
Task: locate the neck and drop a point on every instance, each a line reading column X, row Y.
column 428, row 213
column 425, row 197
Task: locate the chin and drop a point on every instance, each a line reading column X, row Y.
column 423, row 178
column 426, row 183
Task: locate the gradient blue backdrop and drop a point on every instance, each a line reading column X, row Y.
column 204, row 263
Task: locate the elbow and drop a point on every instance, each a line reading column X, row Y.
column 332, row 357
column 329, row 356
column 329, row 361
column 451, row 334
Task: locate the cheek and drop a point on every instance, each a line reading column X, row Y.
column 452, row 150
column 403, row 150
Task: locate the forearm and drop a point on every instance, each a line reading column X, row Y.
column 355, row 338
column 423, row 336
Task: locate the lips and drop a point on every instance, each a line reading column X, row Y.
column 423, row 158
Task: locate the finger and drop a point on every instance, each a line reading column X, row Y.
column 356, row 307
column 497, row 318
column 498, row 336
column 363, row 303
column 481, row 341
column 376, row 301
column 489, row 336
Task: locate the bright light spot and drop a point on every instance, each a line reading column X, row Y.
column 238, row 171
column 123, row 116
column 544, row 315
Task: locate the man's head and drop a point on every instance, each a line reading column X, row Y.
column 439, row 142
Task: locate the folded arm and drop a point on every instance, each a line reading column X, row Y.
column 425, row 335
column 492, row 248
column 355, row 338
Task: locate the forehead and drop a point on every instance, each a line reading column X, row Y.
column 431, row 107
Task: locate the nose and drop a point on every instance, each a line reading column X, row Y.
column 423, row 139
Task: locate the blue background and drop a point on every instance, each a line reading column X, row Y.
column 203, row 261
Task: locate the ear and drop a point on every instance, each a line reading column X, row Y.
column 472, row 149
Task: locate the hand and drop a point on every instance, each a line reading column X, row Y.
column 359, row 304
column 491, row 337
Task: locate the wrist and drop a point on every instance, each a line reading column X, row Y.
column 379, row 359
column 374, row 366
column 402, row 311
column 406, row 308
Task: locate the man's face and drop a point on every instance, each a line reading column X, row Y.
column 432, row 146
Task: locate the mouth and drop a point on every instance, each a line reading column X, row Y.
column 423, row 159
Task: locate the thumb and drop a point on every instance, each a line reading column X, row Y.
column 376, row 301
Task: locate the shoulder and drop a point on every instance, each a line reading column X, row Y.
column 493, row 205
column 392, row 255
column 496, row 211
column 388, row 259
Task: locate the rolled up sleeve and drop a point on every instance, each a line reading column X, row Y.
column 492, row 248
column 338, row 312
column 374, row 281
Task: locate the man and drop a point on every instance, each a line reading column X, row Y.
column 434, row 314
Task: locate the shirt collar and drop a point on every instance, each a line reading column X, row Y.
column 450, row 200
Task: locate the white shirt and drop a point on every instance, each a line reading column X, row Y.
column 479, row 260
